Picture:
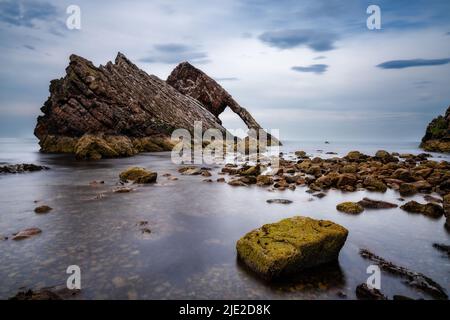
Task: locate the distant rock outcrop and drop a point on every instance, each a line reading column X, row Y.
column 437, row 136
column 195, row 83
column 114, row 110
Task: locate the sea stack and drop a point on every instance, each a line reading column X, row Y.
column 437, row 136
column 117, row 110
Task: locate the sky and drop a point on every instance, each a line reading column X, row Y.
column 310, row 68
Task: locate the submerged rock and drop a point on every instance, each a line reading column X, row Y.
column 437, row 136
column 291, row 245
column 350, row 207
column 43, row 209
column 376, row 204
column 21, row 168
column 279, row 201
column 26, row 233
column 363, row 292
column 430, row 209
column 138, row 175
column 442, row 247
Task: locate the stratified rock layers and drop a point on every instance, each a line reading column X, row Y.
column 437, row 136
column 119, row 110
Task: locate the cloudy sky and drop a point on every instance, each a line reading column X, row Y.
column 310, row 68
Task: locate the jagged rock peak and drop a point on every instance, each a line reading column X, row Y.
column 116, row 100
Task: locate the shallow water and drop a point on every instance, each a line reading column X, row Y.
column 190, row 252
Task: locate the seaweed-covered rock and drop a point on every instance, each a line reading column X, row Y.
column 437, row 136
column 291, row 245
column 430, row 209
column 138, row 175
column 350, row 207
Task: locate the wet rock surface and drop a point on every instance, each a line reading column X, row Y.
column 291, row 245
column 442, row 247
column 279, row 201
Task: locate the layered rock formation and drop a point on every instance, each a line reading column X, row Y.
column 195, row 83
column 114, row 110
column 437, row 136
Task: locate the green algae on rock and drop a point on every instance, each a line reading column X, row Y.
column 291, row 245
column 437, row 136
column 350, row 207
column 138, row 175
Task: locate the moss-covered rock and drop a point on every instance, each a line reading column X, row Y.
column 350, row 207
column 138, row 175
column 291, row 245
column 437, row 136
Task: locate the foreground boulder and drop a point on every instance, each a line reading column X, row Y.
column 291, row 245
column 114, row 110
column 437, row 136
column 138, row 175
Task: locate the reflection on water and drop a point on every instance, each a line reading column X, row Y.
column 190, row 252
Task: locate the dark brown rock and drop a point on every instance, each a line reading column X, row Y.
column 432, row 210
column 42, row 209
column 376, row 204
column 21, row 168
column 129, row 110
column 26, row 233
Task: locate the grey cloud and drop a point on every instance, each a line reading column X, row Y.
column 401, row 64
column 175, row 53
column 315, row 68
column 29, row 47
column 25, row 13
column 292, row 38
column 319, row 58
